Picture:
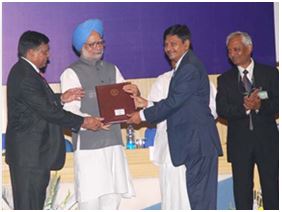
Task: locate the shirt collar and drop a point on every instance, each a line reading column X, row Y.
column 34, row 66
column 179, row 61
column 250, row 69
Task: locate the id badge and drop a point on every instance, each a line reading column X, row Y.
column 263, row 95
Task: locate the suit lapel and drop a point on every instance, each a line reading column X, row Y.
column 235, row 84
column 257, row 76
column 51, row 96
column 184, row 60
column 49, row 92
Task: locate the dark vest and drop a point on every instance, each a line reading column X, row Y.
column 90, row 74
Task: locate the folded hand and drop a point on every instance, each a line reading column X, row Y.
column 252, row 102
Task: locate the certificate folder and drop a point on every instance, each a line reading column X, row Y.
column 114, row 103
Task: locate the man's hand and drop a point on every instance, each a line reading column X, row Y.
column 140, row 102
column 134, row 118
column 92, row 123
column 72, row 94
column 252, row 102
column 105, row 126
column 132, row 89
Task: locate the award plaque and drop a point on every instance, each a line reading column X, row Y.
column 114, row 103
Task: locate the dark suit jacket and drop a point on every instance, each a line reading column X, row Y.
column 191, row 128
column 34, row 137
column 229, row 104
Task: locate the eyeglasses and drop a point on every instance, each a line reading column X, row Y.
column 95, row 44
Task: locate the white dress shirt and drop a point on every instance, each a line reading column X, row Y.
column 250, row 70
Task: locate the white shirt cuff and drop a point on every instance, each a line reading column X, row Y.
column 142, row 116
column 141, row 112
column 150, row 104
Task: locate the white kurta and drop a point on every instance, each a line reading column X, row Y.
column 97, row 171
column 172, row 179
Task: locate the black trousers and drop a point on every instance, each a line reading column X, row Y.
column 201, row 180
column 29, row 187
column 243, row 177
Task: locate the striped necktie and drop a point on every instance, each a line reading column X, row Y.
column 246, row 82
column 248, row 89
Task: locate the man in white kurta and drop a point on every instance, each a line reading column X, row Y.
column 172, row 179
column 101, row 170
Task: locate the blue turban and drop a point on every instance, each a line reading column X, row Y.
column 83, row 30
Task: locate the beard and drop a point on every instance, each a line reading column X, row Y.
column 97, row 56
column 91, row 55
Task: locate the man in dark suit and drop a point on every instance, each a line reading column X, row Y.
column 192, row 133
column 34, row 136
column 248, row 98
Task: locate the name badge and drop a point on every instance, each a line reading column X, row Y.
column 263, row 95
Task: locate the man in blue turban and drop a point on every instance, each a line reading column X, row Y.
column 101, row 171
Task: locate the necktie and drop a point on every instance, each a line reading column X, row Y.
column 248, row 88
column 246, row 82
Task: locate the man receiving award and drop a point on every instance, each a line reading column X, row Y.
column 101, row 171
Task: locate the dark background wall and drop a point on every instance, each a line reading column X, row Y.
column 133, row 32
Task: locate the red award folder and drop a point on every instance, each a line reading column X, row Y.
column 114, row 103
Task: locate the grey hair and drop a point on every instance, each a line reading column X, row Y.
column 246, row 38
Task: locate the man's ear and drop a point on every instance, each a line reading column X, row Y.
column 29, row 53
column 187, row 44
column 250, row 49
